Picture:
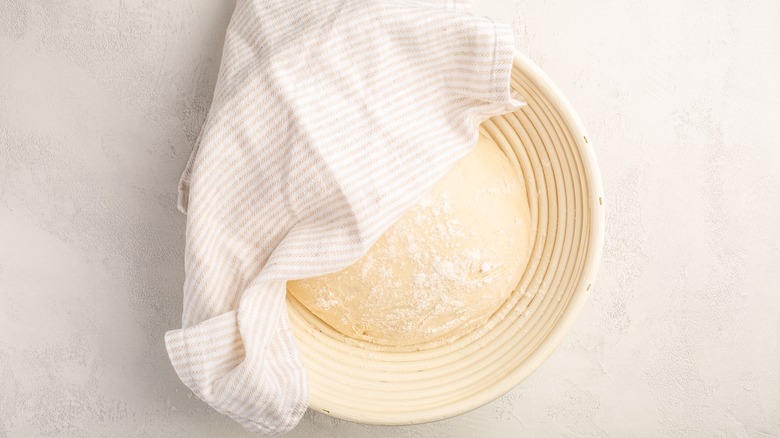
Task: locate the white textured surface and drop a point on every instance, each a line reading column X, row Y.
column 100, row 102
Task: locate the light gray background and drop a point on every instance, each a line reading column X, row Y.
column 100, row 102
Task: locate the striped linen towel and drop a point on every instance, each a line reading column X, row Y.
column 330, row 118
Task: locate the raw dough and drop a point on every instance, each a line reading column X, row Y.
column 443, row 268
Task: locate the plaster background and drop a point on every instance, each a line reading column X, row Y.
column 101, row 100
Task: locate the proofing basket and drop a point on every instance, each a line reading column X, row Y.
column 367, row 383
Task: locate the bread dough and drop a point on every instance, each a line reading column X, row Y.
column 443, row 268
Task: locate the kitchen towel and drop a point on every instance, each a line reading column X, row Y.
column 330, row 118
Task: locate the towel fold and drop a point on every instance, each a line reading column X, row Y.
column 330, row 118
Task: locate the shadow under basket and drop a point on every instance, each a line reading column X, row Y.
column 368, row 383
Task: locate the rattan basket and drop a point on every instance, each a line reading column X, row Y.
column 367, row 383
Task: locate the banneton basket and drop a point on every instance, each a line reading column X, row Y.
column 367, row 383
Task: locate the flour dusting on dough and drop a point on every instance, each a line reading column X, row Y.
column 444, row 267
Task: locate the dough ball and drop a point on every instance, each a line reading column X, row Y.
column 443, row 268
